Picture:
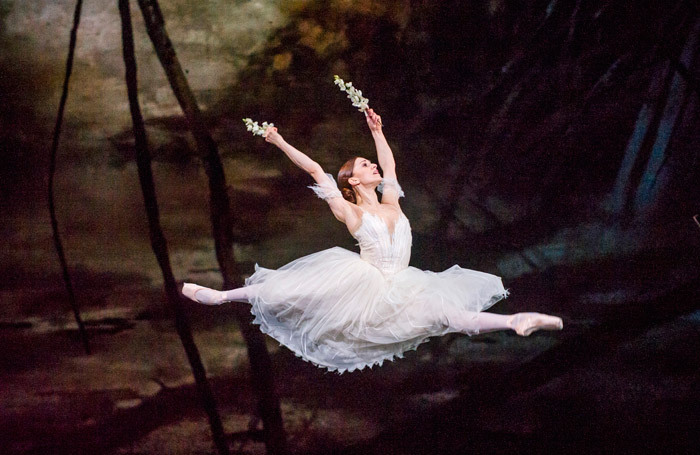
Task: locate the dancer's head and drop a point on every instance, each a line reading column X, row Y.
column 357, row 171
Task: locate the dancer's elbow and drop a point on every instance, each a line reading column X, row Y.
column 315, row 170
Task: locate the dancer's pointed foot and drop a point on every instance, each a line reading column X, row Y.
column 201, row 294
column 526, row 323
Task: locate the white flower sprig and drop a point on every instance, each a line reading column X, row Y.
column 255, row 128
column 355, row 95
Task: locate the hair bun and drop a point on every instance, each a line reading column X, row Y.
column 348, row 195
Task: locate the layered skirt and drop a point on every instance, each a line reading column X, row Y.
column 338, row 311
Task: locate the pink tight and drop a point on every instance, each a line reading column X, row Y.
column 213, row 297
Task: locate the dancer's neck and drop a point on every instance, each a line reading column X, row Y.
column 366, row 197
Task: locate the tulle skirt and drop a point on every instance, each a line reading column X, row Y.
column 340, row 312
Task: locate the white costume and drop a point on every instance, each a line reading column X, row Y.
column 344, row 311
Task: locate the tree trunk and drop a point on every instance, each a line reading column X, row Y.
column 261, row 365
column 158, row 241
column 653, row 180
column 621, row 187
column 640, row 179
column 52, row 171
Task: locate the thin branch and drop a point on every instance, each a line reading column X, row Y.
column 572, row 22
column 221, row 219
column 690, row 79
column 52, row 171
column 158, row 241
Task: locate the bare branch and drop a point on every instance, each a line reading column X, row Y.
column 52, row 171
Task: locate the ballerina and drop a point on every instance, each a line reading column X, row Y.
column 344, row 311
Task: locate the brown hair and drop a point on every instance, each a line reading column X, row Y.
column 344, row 175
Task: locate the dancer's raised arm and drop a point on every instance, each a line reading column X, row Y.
column 297, row 157
column 339, row 206
column 385, row 157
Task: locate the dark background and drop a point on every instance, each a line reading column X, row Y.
column 552, row 143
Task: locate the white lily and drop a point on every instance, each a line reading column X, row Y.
column 255, row 128
column 354, row 94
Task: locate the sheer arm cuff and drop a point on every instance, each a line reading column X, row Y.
column 390, row 183
column 327, row 190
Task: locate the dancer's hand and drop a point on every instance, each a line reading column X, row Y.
column 273, row 137
column 374, row 121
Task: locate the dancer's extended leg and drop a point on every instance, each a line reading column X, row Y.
column 491, row 322
column 213, row 297
column 242, row 294
column 522, row 323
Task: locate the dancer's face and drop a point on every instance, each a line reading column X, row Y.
column 365, row 172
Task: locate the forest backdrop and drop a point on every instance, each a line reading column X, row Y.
column 552, row 143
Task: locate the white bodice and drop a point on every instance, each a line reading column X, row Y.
column 389, row 252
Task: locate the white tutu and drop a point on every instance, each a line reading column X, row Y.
column 338, row 311
column 344, row 311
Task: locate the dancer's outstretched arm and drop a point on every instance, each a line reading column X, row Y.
column 297, row 157
column 339, row 206
column 385, row 157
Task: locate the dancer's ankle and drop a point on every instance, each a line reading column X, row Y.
column 526, row 323
column 513, row 320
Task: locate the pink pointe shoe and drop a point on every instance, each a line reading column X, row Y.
column 206, row 296
column 526, row 323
